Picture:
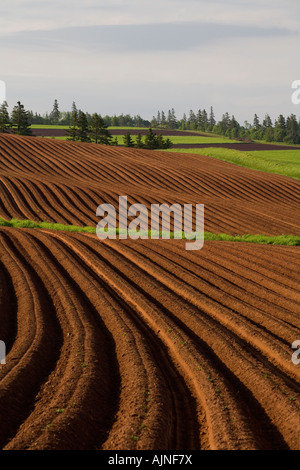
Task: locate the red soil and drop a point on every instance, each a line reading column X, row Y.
column 142, row 344
column 62, row 132
column 65, row 182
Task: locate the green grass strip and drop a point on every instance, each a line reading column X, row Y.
column 287, row 240
column 280, row 162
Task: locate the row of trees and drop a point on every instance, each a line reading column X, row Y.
column 16, row 122
column 84, row 129
column 151, row 141
column 201, row 120
column 282, row 130
column 94, row 128
column 65, row 118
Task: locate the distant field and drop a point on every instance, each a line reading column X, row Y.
column 188, row 139
column 45, row 126
column 281, row 162
column 200, row 140
column 182, row 137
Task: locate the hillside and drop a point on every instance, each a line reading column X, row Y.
column 140, row 344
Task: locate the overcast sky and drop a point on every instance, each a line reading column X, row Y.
column 141, row 56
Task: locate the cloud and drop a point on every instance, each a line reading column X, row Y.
column 138, row 56
column 18, row 15
column 125, row 38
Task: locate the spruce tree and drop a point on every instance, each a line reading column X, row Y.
column 205, row 119
column 20, row 120
column 292, row 130
column 55, row 114
column 139, row 141
column 127, row 139
column 256, row 124
column 150, row 139
column 73, row 129
column 211, row 119
column 95, row 127
column 83, row 128
column 4, row 117
column 99, row 132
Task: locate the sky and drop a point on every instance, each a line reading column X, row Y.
column 141, row 57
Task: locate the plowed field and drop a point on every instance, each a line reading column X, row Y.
column 125, row 344
column 64, row 182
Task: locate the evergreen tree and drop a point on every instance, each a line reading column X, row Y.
column 73, row 129
column 83, row 128
column 127, row 139
column 225, row 123
column 256, row 124
column 158, row 118
column 192, row 121
column 163, row 120
column 211, row 119
column 4, row 117
column 280, row 129
column 96, row 125
column 173, row 120
column 99, row 130
column 55, row 114
column 267, row 122
column 20, row 120
column 150, row 139
column 234, row 128
column 292, row 128
column 115, row 121
column 183, row 122
column 139, row 141
column 199, row 120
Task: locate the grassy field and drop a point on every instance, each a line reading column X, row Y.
column 209, row 139
column 287, row 240
column 46, row 126
column 281, row 162
column 51, row 126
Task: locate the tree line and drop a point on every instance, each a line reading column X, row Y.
column 16, row 122
column 96, row 130
column 151, row 141
column 88, row 127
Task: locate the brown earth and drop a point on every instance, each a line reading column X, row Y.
column 243, row 146
column 63, row 132
column 65, row 182
column 140, row 344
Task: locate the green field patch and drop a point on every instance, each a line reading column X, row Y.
column 281, row 162
column 287, row 240
column 48, row 126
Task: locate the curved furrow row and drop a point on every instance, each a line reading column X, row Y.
column 34, row 347
column 235, row 359
column 231, row 315
column 232, row 284
column 236, row 200
column 83, row 373
column 221, row 433
column 160, row 416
